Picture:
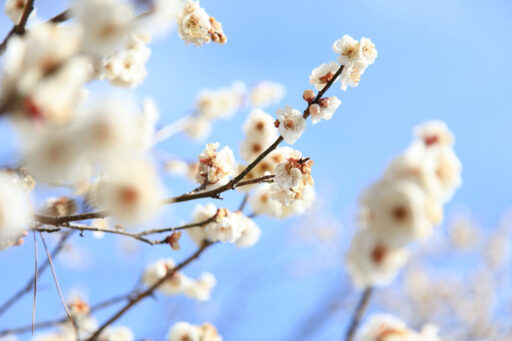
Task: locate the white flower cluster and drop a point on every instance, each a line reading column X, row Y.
column 213, row 105
column 292, row 192
column 383, row 327
column 215, row 167
column 226, row 227
column 14, row 9
column 404, row 205
column 182, row 331
column 199, row 289
column 355, row 56
column 80, row 312
column 197, row 27
column 127, row 67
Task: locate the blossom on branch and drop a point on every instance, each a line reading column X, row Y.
column 215, row 167
column 197, row 27
column 185, row 331
column 291, row 124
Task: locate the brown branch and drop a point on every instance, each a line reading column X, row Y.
column 61, row 17
column 184, row 197
column 51, row 323
column 18, row 29
column 35, row 284
column 149, row 291
column 358, row 314
column 57, row 282
column 30, row 283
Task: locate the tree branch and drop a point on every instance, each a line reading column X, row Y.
column 358, row 314
column 30, row 283
column 18, row 29
column 149, row 291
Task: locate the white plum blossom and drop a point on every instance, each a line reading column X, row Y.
column 434, row 133
column 14, row 9
column 385, row 327
column 321, row 75
column 178, row 283
column 291, row 124
column 182, row 331
column 220, row 103
column 199, row 128
column 197, row 27
column 127, row 67
column 130, row 190
column 447, row 168
column 215, row 167
column 291, row 177
column 106, row 24
column 202, row 288
column 347, row 48
column 263, row 203
column 266, row 93
column 15, row 213
column 368, row 51
column 117, row 334
column 325, row 109
column 260, row 133
column 371, row 261
column 250, row 234
column 355, row 56
column 398, row 211
column 226, row 228
column 201, row 213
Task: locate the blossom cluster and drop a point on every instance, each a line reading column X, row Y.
column 383, row 327
column 199, row 289
column 404, row 205
column 186, row 331
column 223, row 226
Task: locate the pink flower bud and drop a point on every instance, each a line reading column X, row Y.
column 308, row 95
column 314, row 109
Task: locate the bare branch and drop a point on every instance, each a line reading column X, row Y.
column 26, row 289
column 58, row 221
column 18, row 29
column 35, row 284
column 57, row 281
column 149, row 291
column 358, row 314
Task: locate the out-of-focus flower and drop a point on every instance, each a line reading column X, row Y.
column 106, row 24
column 267, row 93
column 185, row 331
column 130, row 190
column 15, row 214
column 371, row 261
column 260, row 133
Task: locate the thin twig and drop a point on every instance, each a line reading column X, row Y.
column 172, row 129
column 26, row 289
column 18, row 29
column 61, row 17
column 215, row 193
column 35, row 284
column 57, row 282
column 51, row 323
column 358, row 314
column 244, row 202
column 149, row 291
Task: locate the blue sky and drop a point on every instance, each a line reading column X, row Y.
column 437, row 59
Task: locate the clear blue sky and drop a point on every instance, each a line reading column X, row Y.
column 437, row 59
